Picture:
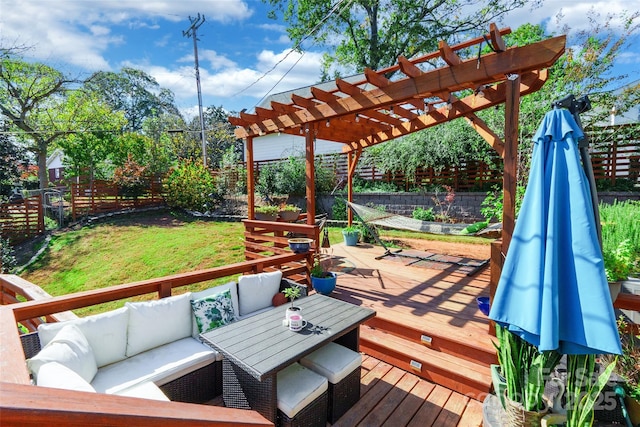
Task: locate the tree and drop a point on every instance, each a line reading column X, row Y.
column 219, row 134
column 88, row 151
column 11, row 157
column 373, row 33
column 133, row 92
column 31, row 96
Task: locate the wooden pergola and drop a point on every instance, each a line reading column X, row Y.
column 374, row 109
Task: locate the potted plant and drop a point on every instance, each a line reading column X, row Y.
column 266, row 213
column 351, row 234
column 524, row 369
column 292, row 292
column 322, row 280
column 618, row 264
column 289, row 213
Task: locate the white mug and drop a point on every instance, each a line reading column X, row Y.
column 296, row 322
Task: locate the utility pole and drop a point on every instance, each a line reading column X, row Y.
column 191, row 32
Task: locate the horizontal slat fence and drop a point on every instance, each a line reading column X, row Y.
column 98, row 196
column 22, row 220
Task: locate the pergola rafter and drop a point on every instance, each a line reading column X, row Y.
column 363, row 111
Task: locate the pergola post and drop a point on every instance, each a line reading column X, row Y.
column 251, row 185
column 512, row 115
column 352, row 162
column 310, row 175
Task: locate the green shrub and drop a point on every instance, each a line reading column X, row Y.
column 8, row 257
column 423, row 214
column 288, row 177
column 130, row 179
column 492, row 205
column 339, row 209
column 190, row 186
column 621, row 222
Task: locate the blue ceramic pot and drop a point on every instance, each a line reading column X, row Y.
column 350, row 238
column 324, row 285
column 300, row 245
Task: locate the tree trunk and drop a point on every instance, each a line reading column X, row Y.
column 43, row 173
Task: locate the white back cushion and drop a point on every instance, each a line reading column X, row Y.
column 233, row 289
column 69, row 348
column 55, row 375
column 158, row 322
column 256, row 291
column 105, row 332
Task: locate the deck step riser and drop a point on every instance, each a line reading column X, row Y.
column 428, row 371
column 449, row 345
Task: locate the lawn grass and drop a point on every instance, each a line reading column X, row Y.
column 134, row 248
column 151, row 245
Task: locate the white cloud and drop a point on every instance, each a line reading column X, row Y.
column 77, row 32
column 629, row 58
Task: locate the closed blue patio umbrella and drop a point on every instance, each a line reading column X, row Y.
column 553, row 291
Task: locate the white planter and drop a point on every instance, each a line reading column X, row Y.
column 291, row 311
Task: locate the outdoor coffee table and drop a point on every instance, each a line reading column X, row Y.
column 256, row 348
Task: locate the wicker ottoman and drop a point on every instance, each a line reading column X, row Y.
column 341, row 367
column 302, row 397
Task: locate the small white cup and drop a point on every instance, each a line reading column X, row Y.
column 296, row 322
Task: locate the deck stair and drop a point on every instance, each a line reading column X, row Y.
column 453, row 358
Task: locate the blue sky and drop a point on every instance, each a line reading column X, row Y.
column 237, row 43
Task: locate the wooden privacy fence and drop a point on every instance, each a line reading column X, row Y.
column 98, row 196
column 22, row 220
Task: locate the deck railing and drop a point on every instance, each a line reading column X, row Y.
column 21, row 403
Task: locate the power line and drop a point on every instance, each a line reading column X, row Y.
column 296, row 47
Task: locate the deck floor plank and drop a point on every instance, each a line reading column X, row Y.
column 431, row 408
column 380, row 414
column 405, row 411
column 371, row 398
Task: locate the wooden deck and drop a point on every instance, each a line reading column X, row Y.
column 424, row 298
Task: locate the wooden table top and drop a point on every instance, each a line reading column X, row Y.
column 262, row 345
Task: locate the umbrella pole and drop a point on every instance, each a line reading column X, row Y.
column 575, row 107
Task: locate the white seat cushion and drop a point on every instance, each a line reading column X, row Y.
column 105, row 332
column 332, row 361
column 145, row 390
column 159, row 365
column 55, row 375
column 233, row 289
column 69, row 348
column 158, row 322
column 297, row 388
column 256, row 291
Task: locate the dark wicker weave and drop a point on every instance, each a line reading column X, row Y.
column 241, row 390
column 608, row 407
column 30, row 344
column 312, row 415
column 344, row 395
column 198, row 386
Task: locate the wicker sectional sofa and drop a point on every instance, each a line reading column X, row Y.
column 147, row 349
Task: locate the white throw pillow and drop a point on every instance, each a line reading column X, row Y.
column 105, row 332
column 55, row 375
column 233, row 289
column 158, row 322
column 69, row 348
column 256, row 291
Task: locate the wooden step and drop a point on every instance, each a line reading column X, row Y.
column 469, row 343
column 457, row 374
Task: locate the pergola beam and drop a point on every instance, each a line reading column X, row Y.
column 493, row 67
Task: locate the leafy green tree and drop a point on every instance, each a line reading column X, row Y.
column 11, row 157
column 373, row 33
column 89, row 152
column 219, row 135
column 32, row 98
column 133, row 92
